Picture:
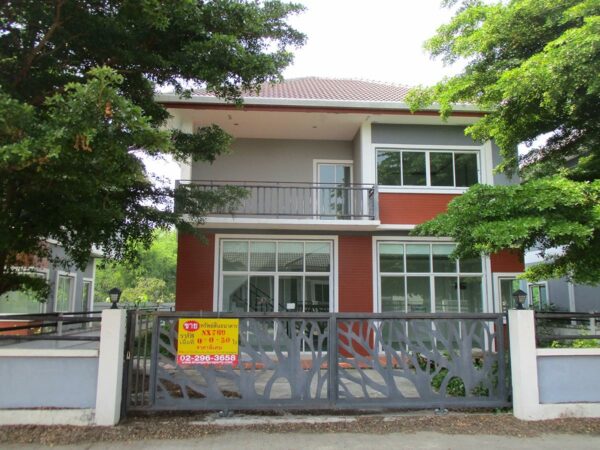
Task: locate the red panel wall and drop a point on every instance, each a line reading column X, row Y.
column 355, row 276
column 507, row 261
column 195, row 273
column 411, row 208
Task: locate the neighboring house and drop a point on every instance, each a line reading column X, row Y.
column 338, row 172
column 560, row 294
column 70, row 289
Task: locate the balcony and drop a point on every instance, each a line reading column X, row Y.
column 297, row 201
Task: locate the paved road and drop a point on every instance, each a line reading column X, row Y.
column 249, row 440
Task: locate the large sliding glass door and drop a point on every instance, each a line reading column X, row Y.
column 416, row 277
column 275, row 276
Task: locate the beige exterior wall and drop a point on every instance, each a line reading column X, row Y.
column 272, row 160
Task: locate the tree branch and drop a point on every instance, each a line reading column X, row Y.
column 31, row 55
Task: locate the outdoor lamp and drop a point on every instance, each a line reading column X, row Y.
column 520, row 298
column 115, row 295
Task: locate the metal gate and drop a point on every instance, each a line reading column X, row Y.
column 324, row 361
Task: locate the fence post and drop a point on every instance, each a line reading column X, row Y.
column 59, row 324
column 523, row 363
column 332, row 363
column 110, row 367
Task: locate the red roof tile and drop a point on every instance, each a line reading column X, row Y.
column 313, row 88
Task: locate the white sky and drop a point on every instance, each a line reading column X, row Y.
column 378, row 40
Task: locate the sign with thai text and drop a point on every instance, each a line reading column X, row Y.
column 208, row 341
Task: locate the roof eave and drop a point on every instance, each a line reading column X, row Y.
column 306, row 103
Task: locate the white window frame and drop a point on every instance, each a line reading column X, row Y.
column 218, row 274
column 487, row 305
column 91, row 293
column 497, row 277
column 316, row 163
column 482, row 162
column 529, row 303
column 73, row 275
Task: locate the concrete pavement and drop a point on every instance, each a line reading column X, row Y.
column 251, row 440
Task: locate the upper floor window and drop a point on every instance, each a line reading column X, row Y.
column 427, row 168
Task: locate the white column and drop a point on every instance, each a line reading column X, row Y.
column 571, row 289
column 187, row 126
column 110, row 367
column 523, row 362
column 367, row 159
column 487, row 163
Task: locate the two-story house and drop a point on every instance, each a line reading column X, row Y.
column 337, row 173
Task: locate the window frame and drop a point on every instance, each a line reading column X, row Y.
column 498, row 277
column 539, row 284
column 378, row 275
column 73, row 277
column 219, row 273
column 428, row 149
column 317, row 180
column 85, row 281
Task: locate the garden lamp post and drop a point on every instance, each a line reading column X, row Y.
column 115, row 295
column 520, row 297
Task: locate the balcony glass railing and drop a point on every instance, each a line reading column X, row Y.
column 281, row 200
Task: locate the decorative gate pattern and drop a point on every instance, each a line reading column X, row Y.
column 312, row 361
column 421, row 361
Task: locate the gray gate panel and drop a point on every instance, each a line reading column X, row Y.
column 419, row 362
column 281, row 362
column 315, row 361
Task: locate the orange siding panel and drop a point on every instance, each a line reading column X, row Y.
column 355, row 276
column 507, row 261
column 411, row 208
column 195, row 273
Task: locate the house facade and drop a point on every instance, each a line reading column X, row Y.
column 71, row 289
column 337, row 173
column 559, row 294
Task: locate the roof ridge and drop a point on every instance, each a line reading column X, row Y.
column 367, row 80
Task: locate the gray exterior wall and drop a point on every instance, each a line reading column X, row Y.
column 587, row 298
column 48, row 382
column 272, row 160
column 87, row 273
column 558, row 294
column 501, row 178
column 568, row 379
column 420, row 135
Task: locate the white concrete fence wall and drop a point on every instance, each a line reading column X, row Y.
column 547, row 383
column 550, row 383
column 38, row 377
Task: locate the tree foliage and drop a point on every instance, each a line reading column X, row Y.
column 151, row 273
column 77, row 111
column 533, row 66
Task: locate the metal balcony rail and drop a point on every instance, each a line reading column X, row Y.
column 324, row 201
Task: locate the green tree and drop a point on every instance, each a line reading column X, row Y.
column 157, row 262
column 77, row 80
column 533, row 66
column 148, row 290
